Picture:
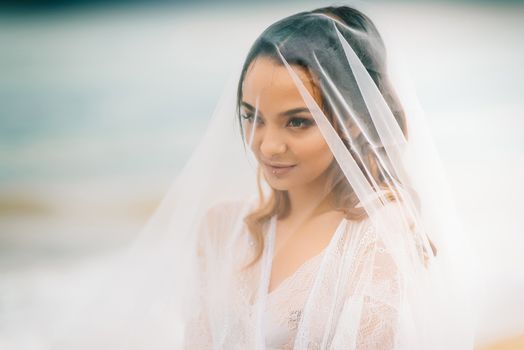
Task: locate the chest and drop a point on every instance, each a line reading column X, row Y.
column 295, row 247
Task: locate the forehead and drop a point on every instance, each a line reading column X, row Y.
column 273, row 86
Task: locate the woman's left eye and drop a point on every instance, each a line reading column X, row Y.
column 300, row 122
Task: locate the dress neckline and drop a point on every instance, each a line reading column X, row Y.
column 302, row 266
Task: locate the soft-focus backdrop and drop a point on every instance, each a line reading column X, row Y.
column 102, row 103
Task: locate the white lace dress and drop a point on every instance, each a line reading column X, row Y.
column 284, row 304
column 346, row 297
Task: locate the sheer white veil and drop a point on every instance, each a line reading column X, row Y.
column 395, row 278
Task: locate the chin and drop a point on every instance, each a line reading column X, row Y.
column 278, row 186
column 283, row 184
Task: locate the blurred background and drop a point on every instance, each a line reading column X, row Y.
column 102, row 103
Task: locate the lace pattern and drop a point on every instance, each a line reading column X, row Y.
column 346, row 297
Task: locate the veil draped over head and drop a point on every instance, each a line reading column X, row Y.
column 391, row 275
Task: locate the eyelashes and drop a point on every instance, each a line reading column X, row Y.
column 248, row 117
column 300, row 122
column 293, row 122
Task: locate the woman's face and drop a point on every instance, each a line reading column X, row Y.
column 280, row 128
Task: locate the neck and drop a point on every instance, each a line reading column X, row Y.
column 309, row 200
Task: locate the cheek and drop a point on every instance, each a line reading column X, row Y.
column 253, row 141
column 313, row 154
column 250, row 137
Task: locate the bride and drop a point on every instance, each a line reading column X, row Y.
column 314, row 214
column 335, row 250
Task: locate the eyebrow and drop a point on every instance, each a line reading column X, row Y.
column 287, row 113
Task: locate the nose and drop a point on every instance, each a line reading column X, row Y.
column 272, row 143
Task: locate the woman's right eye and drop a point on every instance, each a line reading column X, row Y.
column 248, row 117
column 251, row 117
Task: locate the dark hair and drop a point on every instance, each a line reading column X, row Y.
column 310, row 41
column 300, row 36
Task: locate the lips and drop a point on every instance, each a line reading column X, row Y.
column 278, row 168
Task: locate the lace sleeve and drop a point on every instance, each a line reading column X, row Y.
column 197, row 331
column 378, row 325
column 217, row 223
